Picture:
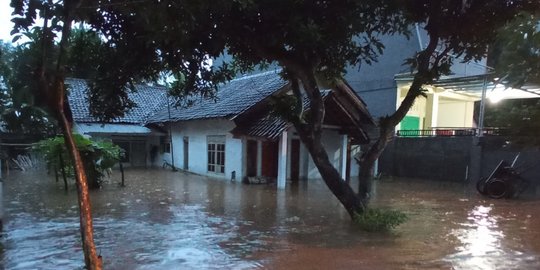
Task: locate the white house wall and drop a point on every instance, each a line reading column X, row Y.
column 455, row 114
column 197, row 132
column 331, row 140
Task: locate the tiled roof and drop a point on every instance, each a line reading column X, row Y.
column 147, row 100
column 269, row 125
column 232, row 99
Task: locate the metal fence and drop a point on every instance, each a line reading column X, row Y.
column 449, row 132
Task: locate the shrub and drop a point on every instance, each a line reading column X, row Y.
column 379, row 220
column 97, row 156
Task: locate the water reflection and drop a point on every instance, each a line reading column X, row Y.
column 165, row 220
column 483, row 244
column 481, row 241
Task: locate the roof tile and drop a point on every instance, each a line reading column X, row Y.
column 147, row 100
column 233, row 98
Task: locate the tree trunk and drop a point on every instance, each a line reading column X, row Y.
column 56, row 174
column 343, row 191
column 311, row 133
column 428, row 63
column 91, row 258
column 63, row 170
column 387, row 126
column 56, row 101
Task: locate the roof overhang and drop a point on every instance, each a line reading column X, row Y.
column 342, row 114
column 114, row 129
column 496, row 89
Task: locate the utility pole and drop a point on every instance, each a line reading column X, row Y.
column 170, row 135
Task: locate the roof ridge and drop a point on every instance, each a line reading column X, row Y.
column 161, row 87
column 275, row 71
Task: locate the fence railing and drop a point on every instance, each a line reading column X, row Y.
column 449, row 132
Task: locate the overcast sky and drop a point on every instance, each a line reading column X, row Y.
column 5, row 20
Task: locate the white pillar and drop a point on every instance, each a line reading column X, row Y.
column 282, row 161
column 480, row 132
column 434, row 110
column 259, row 158
column 343, row 150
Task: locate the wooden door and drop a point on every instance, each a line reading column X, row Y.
column 270, row 153
column 251, row 158
column 295, row 160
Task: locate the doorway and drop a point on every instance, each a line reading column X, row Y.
column 138, row 154
column 251, row 154
column 270, row 154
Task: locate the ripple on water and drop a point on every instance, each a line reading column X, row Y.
column 165, row 220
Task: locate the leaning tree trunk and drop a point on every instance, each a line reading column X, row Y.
column 91, row 258
column 339, row 187
column 428, row 61
column 387, row 126
column 310, row 134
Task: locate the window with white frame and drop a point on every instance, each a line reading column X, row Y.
column 216, row 153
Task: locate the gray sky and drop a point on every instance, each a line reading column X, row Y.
column 5, row 20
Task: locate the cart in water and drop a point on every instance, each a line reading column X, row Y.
column 505, row 181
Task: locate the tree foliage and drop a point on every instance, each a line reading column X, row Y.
column 24, row 110
column 6, row 52
column 380, row 220
column 518, row 119
column 17, row 112
column 517, row 57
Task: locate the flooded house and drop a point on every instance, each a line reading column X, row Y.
column 235, row 136
column 238, row 137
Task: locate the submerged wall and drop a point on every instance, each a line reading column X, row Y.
column 196, row 133
column 458, row 159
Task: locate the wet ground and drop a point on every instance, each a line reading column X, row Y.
column 166, row 220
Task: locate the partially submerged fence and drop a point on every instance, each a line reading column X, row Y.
column 453, row 158
column 449, row 132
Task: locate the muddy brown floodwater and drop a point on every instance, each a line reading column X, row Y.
column 166, row 220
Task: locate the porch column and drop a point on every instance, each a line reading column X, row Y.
column 344, row 153
column 259, row 158
column 244, row 159
column 282, row 161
